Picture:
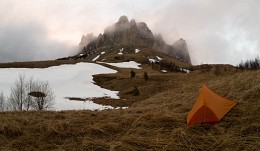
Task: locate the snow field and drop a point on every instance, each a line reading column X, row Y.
column 68, row 81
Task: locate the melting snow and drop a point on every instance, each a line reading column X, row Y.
column 66, row 81
column 160, row 59
column 137, row 50
column 130, row 64
column 164, row 71
column 185, row 70
column 103, row 52
column 152, row 61
column 96, row 58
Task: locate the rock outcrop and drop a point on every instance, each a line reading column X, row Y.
column 181, row 50
column 124, row 32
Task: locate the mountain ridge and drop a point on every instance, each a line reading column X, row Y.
column 133, row 33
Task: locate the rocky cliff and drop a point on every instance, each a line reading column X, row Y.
column 124, row 32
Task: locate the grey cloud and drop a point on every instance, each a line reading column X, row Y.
column 223, row 31
column 216, row 31
column 29, row 41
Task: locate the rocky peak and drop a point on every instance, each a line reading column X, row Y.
column 159, row 42
column 180, row 47
column 86, row 39
column 134, row 33
column 122, row 24
column 132, row 22
column 123, row 20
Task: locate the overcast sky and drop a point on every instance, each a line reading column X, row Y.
column 220, row 31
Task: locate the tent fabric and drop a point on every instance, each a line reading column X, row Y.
column 209, row 107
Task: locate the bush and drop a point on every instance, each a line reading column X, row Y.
column 253, row 64
column 132, row 74
column 135, row 91
column 145, row 76
column 20, row 98
column 2, row 102
column 217, row 70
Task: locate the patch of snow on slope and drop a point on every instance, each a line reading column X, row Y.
column 66, row 81
column 96, row 58
column 185, row 70
column 137, row 50
column 130, row 64
column 160, row 59
column 164, row 71
column 103, row 52
column 152, row 60
column 121, row 51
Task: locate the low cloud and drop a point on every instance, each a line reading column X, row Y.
column 224, row 31
column 29, row 41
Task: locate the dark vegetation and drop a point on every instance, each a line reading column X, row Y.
column 38, row 64
column 132, row 74
column 145, row 75
column 253, row 64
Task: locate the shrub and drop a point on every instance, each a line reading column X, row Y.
column 217, row 70
column 132, row 74
column 145, row 76
column 135, row 91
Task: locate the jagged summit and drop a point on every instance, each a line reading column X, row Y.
column 133, row 33
column 123, row 19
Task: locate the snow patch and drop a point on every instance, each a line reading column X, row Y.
column 103, row 52
column 121, row 108
column 130, row 64
column 185, row 70
column 121, row 51
column 66, row 81
column 137, row 50
column 164, row 71
column 152, row 61
column 160, row 59
column 96, row 58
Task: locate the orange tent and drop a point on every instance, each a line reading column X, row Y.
column 209, row 108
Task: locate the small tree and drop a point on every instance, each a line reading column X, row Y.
column 20, row 98
column 30, row 85
column 217, row 70
column 132, row 74
column 145, row 76
column 42, row 95
column 18, row 93
column 2, row 102
column 135, row 91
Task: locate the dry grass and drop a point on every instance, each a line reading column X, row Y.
column 38, row 64
column 156, row 119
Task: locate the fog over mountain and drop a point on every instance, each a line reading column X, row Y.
column 224, row 31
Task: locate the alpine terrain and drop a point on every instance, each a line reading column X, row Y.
column 125, row 90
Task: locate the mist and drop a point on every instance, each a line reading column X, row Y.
column 225, row 31
column 30, row 42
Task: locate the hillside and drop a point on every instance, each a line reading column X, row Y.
column 155, row 120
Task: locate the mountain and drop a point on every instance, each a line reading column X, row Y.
column 136, row 34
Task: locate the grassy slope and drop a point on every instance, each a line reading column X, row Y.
column 156, row 119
